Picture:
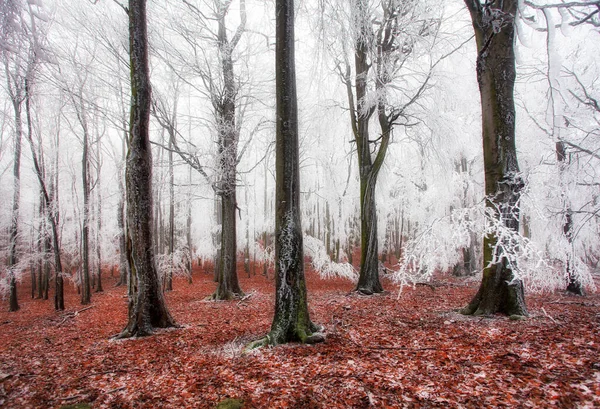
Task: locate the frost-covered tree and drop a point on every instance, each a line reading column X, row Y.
column 291, row 322
column 21, row 52
column 386, row 37
column 14, row 47
column 501, row 290
column 147, row 307
column 221, row 85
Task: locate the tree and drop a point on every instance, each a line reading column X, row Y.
column 16, row 67
column 501, row 290
column 386, row 36
column 147, row 307
column 223, row 89
column 291, row 322
column 49, row 199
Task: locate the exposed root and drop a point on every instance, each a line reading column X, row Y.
column 272, row 339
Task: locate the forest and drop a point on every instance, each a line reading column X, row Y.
column 299, row 204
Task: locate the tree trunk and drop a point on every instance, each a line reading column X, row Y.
column 124, row 272
column 169, row 273
column 500, row 290
column 147, row 308
column 86, row 292
column 99, row 225
column 14, row 222
column 217, row 238
column 52, row 215
column 291, row 321
column 188, row 232
column 368, row 281
column 574, row 285
column 123, row 265
column 228, row 284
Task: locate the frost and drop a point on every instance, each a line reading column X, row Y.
column 565, row 25
column 323, row 264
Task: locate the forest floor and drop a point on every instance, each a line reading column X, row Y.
column 394, row 350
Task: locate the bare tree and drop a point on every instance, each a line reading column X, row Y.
column 386, row 36
column 223, row 88
column 147, row 308
column 16, row 68
column 291, row 321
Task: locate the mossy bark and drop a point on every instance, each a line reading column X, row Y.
column 494, row 26
column 147, row 308
column 291, row 322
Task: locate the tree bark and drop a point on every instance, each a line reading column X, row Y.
column 574, row 285
column 368, row 280
column 228, row 285
column 86, row 291
column 99, row 224
column 147, row 308
column 500, row 290
column 17, row 102
column 123, row 263
column 291, row 321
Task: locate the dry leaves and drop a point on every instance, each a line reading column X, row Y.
column 381, row 351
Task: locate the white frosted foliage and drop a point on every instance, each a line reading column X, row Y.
column 322, row 263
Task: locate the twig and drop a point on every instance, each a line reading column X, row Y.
column 247, row 296
column 574, row 303
column 116, row 389
column 547, row 315
column 82, row 310
column 74, row 314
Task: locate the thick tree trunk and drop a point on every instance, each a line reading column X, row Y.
column 228, row 285
column 147, row 308
column 500, row 290
column 291, row 321
column 368, row 280
column 40, row 250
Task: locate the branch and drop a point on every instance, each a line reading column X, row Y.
column 561, row 5
column 582, row 149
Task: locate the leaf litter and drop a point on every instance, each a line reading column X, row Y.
column 384, row 351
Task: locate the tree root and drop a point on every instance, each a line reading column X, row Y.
column 316, row 336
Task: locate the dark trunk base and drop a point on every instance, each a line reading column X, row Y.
column 305, row 334
column 13, row 303
column 498, row 293
column 575, row 287
column 99, row 288
column 223, row 293
column 142, row 322
column 59, row 299
column 369, row 284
